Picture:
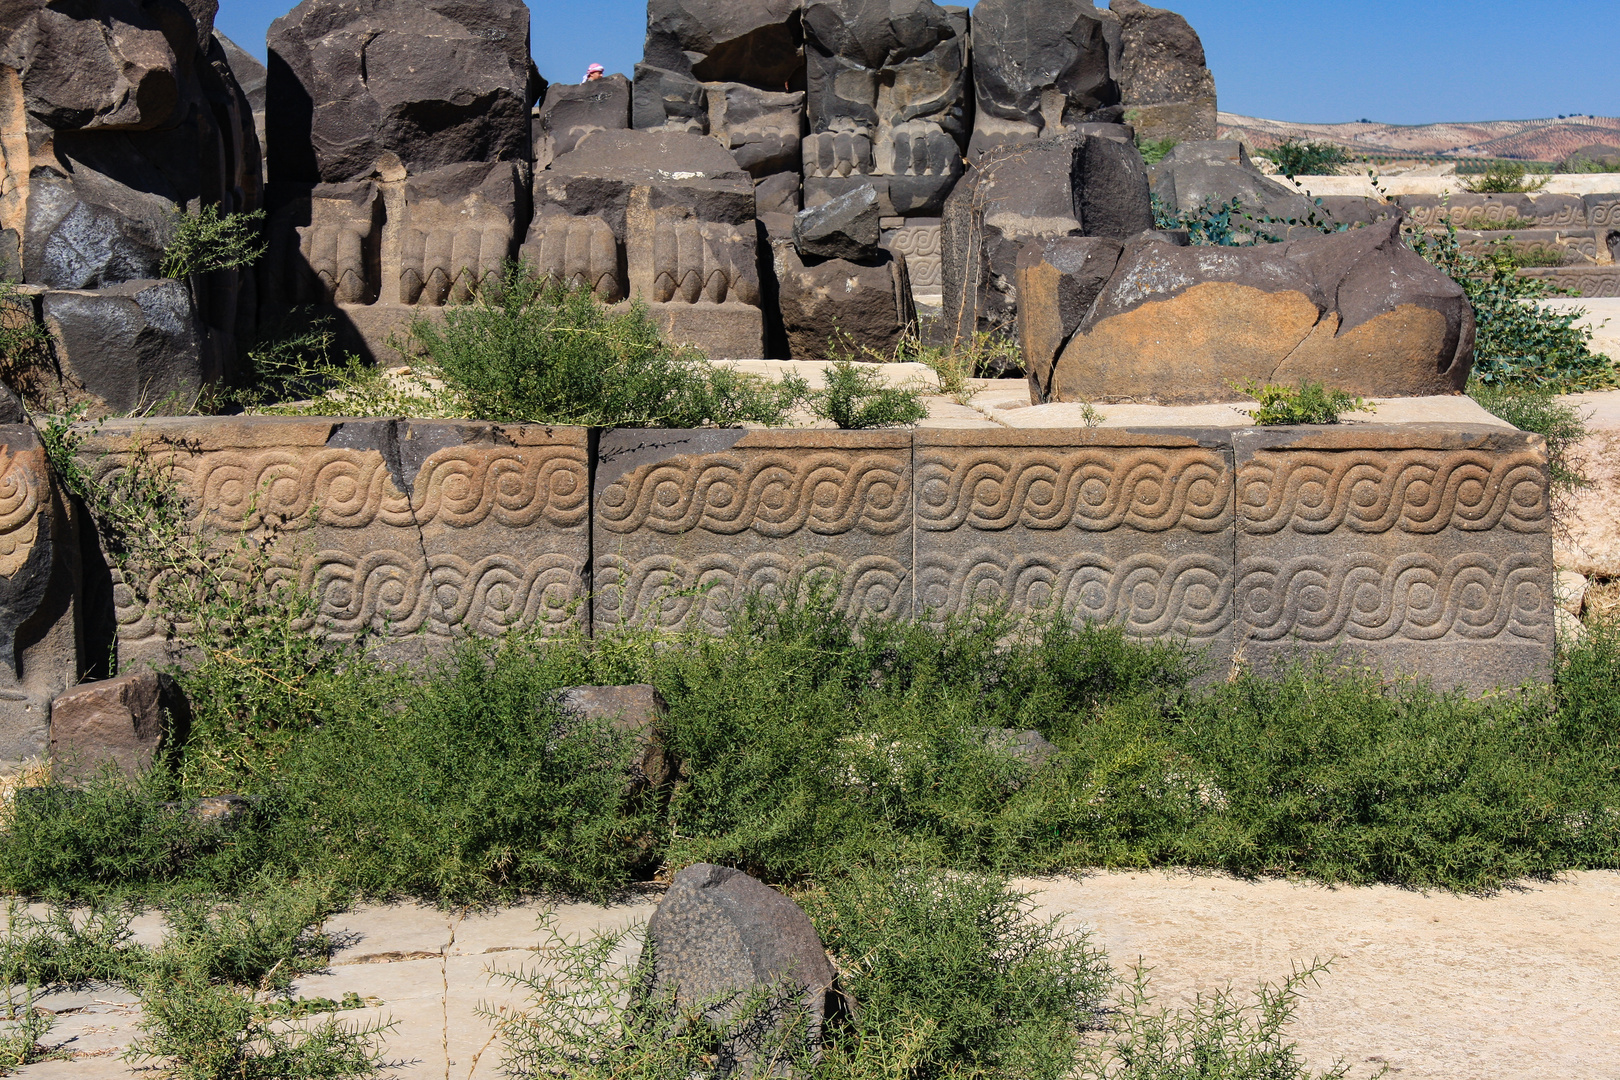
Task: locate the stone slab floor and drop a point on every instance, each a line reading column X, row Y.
column 1524, row 984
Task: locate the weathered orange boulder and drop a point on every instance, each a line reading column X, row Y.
column 1357, row 311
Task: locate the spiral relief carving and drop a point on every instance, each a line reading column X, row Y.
column 667, row 591
column 1149, row 594
column 1421, row 492
column 403, row 593
column 1603, row 213
column 1093, row 490
column 1368, row 597
column 773, row 493
column 20, row 491
column 920, row 244
column 351, row 489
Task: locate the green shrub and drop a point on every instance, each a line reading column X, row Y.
column 1505, row 178
column 1307, row 403
column 1537, row 409
column 524, row 351
column 1517, row 343
column 25, row 346
column 203, row 242
column 957, row 970
column 1301, row 157
column 857, row 396
column 1586, row 162
column 1155, row 150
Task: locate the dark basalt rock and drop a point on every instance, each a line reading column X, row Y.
column 423, row 83
column 1039, row 67
column 848, row 227
column 1165, row 85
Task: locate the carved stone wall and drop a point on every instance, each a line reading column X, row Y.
column 1414, row 548
column 1590, row 281
column 687, row 522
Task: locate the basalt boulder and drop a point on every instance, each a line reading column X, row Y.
column 835, row 303
column 1165, row 83
column 1357, row 311
column 758, row 42
column 718, row 936
column 1039, row 66
column 848, row 227
column 416, row 83
column 1211, row 174
column 573, row 110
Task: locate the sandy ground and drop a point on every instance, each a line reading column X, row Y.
column 1524, row 984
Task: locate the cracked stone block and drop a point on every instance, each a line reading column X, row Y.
column 687, row 523
column 398, row 527
column 1421, row 550
column 1104, row 525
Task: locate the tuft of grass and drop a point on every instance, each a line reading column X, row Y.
column 1155, row 150
column 1307, row 403
column 203, row 241
column 25, row 347
column 1537, row 409
column 527, row 351
column 856, row 396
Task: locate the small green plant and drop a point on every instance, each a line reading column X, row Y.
column 1217, row 1037
column 985, row 354
column 203, row 241
column 1307, row 403
column 525, row 351
column 1504, row 178
column 1538, row 409
column 1301, row 157
column 25, row 346
column 1590, row 161
column 1517, row 342
column 856, row 396
column 1155, row 150
column 22, row 1031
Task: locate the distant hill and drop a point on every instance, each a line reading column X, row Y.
column 1526, row 140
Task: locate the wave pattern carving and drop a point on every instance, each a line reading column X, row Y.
column 1151, row 595
column 774, row 494
column 666, row 591
column 1416, row 597
column 1421, row 492
column 1092, row 490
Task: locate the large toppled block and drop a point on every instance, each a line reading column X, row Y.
column 831, row 306
column 417, row 84
column 417, row 531
column 1040, row 68
column 888, row 101
column 1165, row 85
column 1072, row 185
column 664, row 217
column 41, row 589
column 1355, row 310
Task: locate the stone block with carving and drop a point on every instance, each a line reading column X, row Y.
column 1100, row 524
column 420, row 531
column 888, row 101
column 1421, row 549
column 680, row 214
column 1593, row 281
column 1357, row 311
column 688, row 523
column 1039, row 68
column 1574, row 246
column 1469, row 211
column 41, row 592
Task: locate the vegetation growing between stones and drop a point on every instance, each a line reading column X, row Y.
column 1516, row 341
column 24, row 344
column 1307, row 403
column 203, row 241
column 1538, row 409
column 856, row 396
column 1504, row 178
column 1155, row 150
column 1304, row 157
column 525, row 351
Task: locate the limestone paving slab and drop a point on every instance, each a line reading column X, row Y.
column 1424, row 549
column 686, row 523
column 1103, row 524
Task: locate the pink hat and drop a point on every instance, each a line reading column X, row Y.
column 595, row 69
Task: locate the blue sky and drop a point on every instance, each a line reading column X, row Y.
column 1317, row 61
